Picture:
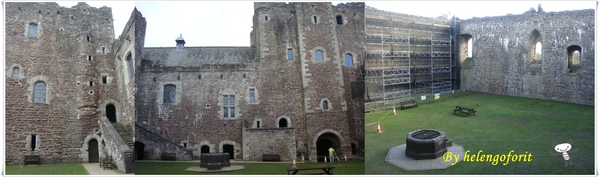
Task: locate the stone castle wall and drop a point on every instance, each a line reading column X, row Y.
column 503, row 48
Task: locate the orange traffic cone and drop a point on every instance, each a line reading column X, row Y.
column 378, row 128
column 325, row 161
column 294, row 163
column 394, row 108
column 345, row 158
column 302, row 158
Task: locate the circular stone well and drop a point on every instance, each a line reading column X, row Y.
column 425, row 144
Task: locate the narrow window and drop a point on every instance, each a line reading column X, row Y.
column 169, row 93
column 89, row 58
column 315, row 19
column 290, row 54
column 88, row 38
column 91, row 83
column 319, row 56
column 229, row 106
column 325, row 106
column 199, row 76
column 104, row 79
column 573, row 58
column 266, row 18
column 470, row 48
column 349, row 60
column 251, row 95
column 16, row 72
column 39, row 92
column 257, row 124
column 185, row 145
column 130, row 66
column 32, row 30
column 33, row 142
column 103, row 50
column 339, row 20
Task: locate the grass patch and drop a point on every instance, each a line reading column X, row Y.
column 178, row 168
column 502, row 123
column 46, row 169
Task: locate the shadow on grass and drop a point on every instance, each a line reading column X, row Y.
column 46, row 169
column 178, row 168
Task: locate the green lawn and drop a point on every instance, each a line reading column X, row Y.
column 176, row 168
column 46, row 169
column 501, row 124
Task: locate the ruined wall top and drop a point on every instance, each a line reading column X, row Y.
column 528, row 14
column 374, row 12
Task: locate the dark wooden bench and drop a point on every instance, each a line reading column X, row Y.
column 466, row 110
column 32, row 159
column 327, row 170
column 408, row 103
column 106, row 162
column 271, row 157
column 168, row 156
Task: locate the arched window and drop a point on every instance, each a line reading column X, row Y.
column 339, row 20
column 573, row 58
column 16, row 72
column 283, row 123
column 325, row 105
column 39, row 92
column 169, row 93
column 319, row 56
column 349, row 60
column 32, row 30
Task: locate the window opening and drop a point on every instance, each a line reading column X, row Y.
column 32, row 30
column 325, row 106
column 283, row 123
column 104, row 80
column 229, row 106
column 339, row 20
column 39, row 92
column 169, row 93
column 89, row 58
column 16, row 72
column 349, row 60
column 257, row 124
column 319, row 56
column 290, row 54
column 252, row 95
column 315, row 19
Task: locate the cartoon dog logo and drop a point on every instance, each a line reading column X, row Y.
column 562, row 149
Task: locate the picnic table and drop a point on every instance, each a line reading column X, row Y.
column 327, row 170
column 464, row 110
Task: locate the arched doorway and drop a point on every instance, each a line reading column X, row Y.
column 139, row 150
column 228, row 148
column 204, row 149
column 111, row 113
column 93, row 151
column 283, row 123
column 326, row 141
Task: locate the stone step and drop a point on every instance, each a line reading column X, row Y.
column 125, row 135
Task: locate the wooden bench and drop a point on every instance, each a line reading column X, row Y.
column 32, row 159
column 271, row 157
column 168, row 156
column 327, row 170
column 409, row 103
column 106, row 162
column 464, row 110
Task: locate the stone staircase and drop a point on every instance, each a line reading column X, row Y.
column 125, row 135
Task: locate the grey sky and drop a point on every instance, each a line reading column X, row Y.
column 228, row 23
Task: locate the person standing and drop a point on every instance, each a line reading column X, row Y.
column 331, row 154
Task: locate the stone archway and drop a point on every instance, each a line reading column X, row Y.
column 111, row 113
column 228, row 148
column 326, row 141
column 93, row 154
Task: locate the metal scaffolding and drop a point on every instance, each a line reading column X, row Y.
column 407, row 56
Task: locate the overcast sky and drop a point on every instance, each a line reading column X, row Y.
column 229, row 23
